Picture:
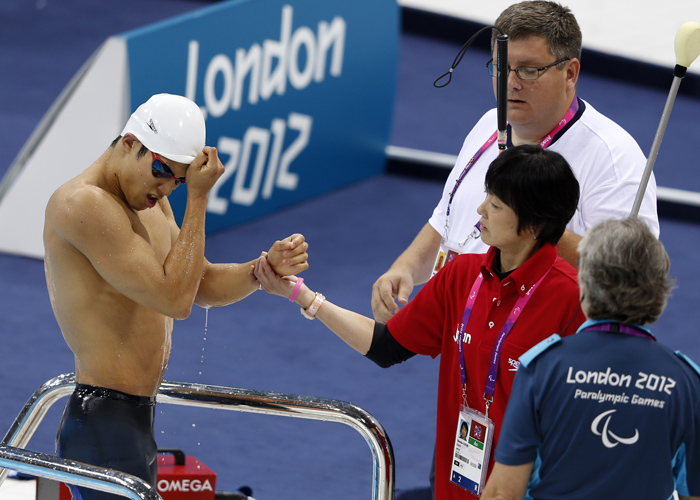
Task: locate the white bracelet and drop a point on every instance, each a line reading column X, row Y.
column 310, row 312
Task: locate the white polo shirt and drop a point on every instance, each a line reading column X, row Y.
column 605, row 159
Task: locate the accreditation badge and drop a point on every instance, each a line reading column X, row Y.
column 448, row 251
column 472, row 449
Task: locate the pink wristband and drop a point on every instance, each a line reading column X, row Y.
column 295, row 292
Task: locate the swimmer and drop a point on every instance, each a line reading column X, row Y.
column 119, row 271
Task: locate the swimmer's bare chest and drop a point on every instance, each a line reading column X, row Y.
column 118, row 343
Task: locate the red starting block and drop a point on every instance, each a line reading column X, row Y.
column 180, row 477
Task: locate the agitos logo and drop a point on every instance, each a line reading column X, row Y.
column 610, row 439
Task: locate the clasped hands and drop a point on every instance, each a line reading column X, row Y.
column 286, row 257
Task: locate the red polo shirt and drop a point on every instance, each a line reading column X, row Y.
column 429, row 325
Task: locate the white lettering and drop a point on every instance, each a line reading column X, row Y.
column 276, row 80
column 656, row 403
column 255, row 147
column 302, row 124
column 279, row 127
column 231, row 147
column 220, row 64
column 601, row 378
column 192, row 63
column 247, row 195
column 467, row 337
column 654, row 382
column 247, row 64
column 297, row 77
column 639, row 384
column 299, row 56
column 602, row 397
column 184, row 485
column 333, row 34
column 669, row 385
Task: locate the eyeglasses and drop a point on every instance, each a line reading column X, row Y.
column 161, row 170
column 525, row 72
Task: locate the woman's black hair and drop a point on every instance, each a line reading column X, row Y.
column 539, row 186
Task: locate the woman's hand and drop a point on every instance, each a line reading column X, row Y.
column 271, row 282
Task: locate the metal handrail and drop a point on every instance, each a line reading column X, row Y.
column 227, row 398
column 69, row 471
column 34, row 411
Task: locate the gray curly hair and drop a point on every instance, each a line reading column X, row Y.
column 623, row 272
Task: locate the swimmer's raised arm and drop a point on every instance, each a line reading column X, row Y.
column 122, row 257
column 112, row 236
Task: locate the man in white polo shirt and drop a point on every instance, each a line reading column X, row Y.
column 544, row 50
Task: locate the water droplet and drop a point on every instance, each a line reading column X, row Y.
column 206, row 322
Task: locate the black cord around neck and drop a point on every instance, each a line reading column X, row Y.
column 460, row 55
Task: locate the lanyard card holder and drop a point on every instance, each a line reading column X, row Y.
column 472, row 450
column 448, row 251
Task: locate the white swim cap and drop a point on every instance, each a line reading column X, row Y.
column 170, row 125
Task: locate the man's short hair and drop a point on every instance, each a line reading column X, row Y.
column 549, row 20
column 143, row 151
column 623, row 272
column 539, row 186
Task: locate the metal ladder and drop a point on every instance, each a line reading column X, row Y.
column 14, row 456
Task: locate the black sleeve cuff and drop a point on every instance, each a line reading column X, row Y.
column 385, row 349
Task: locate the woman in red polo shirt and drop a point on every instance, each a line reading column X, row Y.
column 479, row 313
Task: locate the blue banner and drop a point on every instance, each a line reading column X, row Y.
column 297, row 96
